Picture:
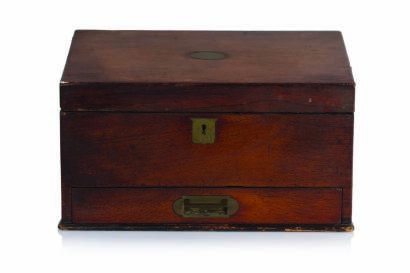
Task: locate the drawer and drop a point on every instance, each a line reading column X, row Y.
column 252, row 206
column 107, row 149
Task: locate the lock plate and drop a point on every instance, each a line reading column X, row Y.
column 203, row 130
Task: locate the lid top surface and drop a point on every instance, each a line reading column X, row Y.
column 201, row 57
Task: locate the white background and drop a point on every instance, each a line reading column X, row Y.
column 34, row 41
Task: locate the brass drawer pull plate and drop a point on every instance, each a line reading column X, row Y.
column 206, row 206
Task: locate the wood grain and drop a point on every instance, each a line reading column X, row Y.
column 207, row 98
column 66, row 204
column 284, row 104
column 154, row 205
column 210, row 227
column 151, row 71
column 262, row 57
column 103, row 149
column 347, row 205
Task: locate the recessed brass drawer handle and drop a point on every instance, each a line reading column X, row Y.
column 206, row 206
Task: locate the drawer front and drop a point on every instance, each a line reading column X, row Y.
column 107, row 149
column 254, row 206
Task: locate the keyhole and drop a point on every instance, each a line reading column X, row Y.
column 203, row 129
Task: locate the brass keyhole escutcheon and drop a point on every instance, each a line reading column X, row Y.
column 203, row 130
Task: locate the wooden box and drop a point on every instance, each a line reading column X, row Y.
column 201, row 130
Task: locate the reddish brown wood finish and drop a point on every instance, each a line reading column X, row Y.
column 347, row 205
column 208, row 98
column 130, row 149
column 149, row 71
column 284, row 135
column 210, row 227
column 154, row 205
column 261, row 57
column 66, row 204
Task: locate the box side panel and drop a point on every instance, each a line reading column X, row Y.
column 65, row 185
column 347, row 205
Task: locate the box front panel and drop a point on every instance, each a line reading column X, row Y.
column 107, row 149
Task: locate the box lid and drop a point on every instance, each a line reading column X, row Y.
column 207, row 71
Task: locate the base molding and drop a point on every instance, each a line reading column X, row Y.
column 210, row 227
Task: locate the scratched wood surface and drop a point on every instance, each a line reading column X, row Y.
column 152, row 71
column 208, row 98
column 164, row 57
column 154, row 205
column 284, row 103
column 266, row 150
